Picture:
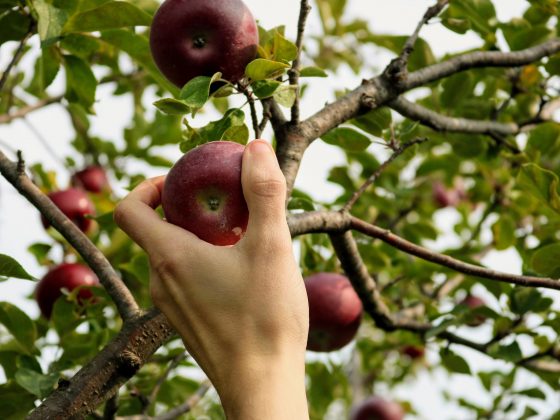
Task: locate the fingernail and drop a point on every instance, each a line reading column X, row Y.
column 259, row 147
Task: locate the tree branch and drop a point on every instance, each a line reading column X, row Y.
column 16, row 57
column 337, row 222
column 293, row 73
column 124, row 301
column 22, row 112
column 441, row 122
column 398, row 150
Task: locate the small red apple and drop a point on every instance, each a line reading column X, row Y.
column 192, row 38
column 335, row 311
column 474, row 302
column 413, row 352
column 76, row 205
column 92, row 178
column 202, row 193
column 377, row 408
column 67, row 276
column 444, row 197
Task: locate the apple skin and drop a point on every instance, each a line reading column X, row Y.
column 335, row 311
column 76, row 205
column 444, row 197
column 413, row 352
column 377, row 408
column 68, row 276
column 192, row 38
column 92, row 178
column 474, row 302
column 202, row 193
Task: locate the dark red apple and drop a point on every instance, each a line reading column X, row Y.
column 64, row 276
column 444, row 197
column 474, row 302
column 377, row 408
column 92, row 178
column 76, row 205
column 203, row 194
column 335, row 311
column 192, row 38
column 413, row 351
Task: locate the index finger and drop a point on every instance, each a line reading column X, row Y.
column 137, row 217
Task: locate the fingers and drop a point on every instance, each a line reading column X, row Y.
column 135, row 215
column 264, row 188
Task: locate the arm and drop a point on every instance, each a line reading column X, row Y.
column 241, row 310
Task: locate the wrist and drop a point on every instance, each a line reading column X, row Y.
column 271, row 388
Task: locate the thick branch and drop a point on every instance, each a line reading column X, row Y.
column 126, row 305
column 113, row 366
column 441, row 122
column 304, row 10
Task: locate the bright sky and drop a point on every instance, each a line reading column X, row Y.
column 20, row 224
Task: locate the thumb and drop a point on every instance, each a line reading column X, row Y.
column 264, row 187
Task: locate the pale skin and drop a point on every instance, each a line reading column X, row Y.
column 242, row 310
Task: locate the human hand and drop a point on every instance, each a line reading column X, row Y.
column 242, row 310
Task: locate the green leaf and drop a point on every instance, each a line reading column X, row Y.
column 375, row 121
column 541, row 183
column 19, row 325
column 285, row 95
column 11, row 268
column 264, row 88
column 50, row 20
column 454, row 363
column 544, row 140
column 347, row 138
column 504, row 232
column 80, row 81
column 261, row 69
column 49, row 65
column 546, row 260
column 112, row 15
column 7, row 4
column 532, row 393
column 510, row 352
column 480, row 14
column 139, row 267
column 172, row 106
column 36, row 383
column 284, row 50
column 312, row 72
column 216, row 130
column 422, row 55
column 197, row 91
column 15, row 402
column 524, row 300
column 456, row 89
column 137, row 46
column 13, row 26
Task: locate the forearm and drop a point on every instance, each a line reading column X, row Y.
column 273, row 390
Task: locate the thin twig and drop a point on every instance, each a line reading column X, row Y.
column 251, row 101
column 16, row 57
column 172, row 365
column 22, row 112
column 397, row 151
column 293, row 73
column 121, row 295
column 188, row 405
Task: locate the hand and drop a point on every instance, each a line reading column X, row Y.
column 242, row 310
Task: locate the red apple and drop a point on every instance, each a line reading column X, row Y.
column 192, row 38
column 413, row 352
column 65, row 276
column 335, row 311
column 202, row 193
column 444, row 197
column 474, row 302
column 92, row 178
column 377, row 408
column 76, row 205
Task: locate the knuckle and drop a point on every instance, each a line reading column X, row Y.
column 120, row 213
column 164, row 268
column 269, row 187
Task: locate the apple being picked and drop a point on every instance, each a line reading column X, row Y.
column 92, row 178
column 76, row 205
column 192, row 38
column 64, row 276
column 377, row 408
column 202, row 193
column 335, row 311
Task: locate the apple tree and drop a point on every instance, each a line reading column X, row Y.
column 469, row 140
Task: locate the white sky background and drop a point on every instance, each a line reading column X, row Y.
column 20, row 224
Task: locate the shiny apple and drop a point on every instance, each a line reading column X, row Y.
column 76, row 205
